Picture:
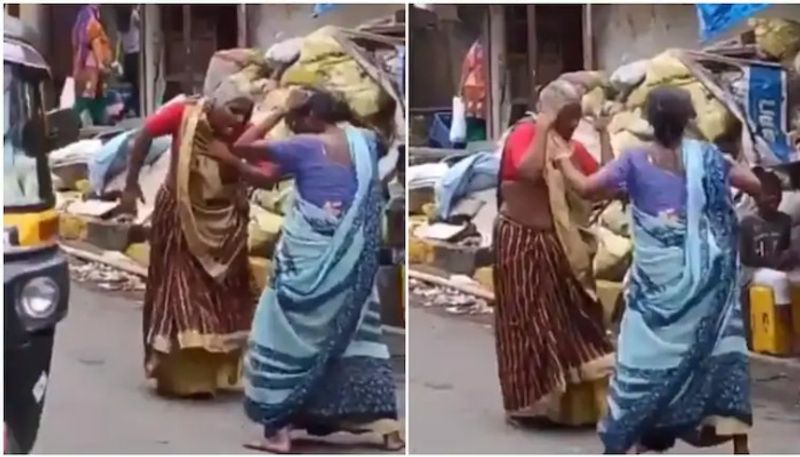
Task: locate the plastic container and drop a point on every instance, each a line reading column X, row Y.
column 439, row 132
column 771, row 333
column 794, row 284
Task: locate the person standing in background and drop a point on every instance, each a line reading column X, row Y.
column 91, row 61
column 128, row 23
column 473, row 84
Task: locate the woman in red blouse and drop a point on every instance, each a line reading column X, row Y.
column 198, row 305
column 549, row 329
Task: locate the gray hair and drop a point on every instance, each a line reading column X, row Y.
column 558, row 94
column 230, row 89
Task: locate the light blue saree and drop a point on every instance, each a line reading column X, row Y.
column 682, row 356
column 315, row 357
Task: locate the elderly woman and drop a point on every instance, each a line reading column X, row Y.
column 316, row 359
column 682, row 366
column 551, row 343
column 198, row 306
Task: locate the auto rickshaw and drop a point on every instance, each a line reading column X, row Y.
column 36, row 274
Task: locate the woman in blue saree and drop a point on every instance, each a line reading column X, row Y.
column 315, row 359
column 682, row 365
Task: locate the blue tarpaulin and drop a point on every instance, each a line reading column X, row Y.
column 471, row 174
column 716, row 18
column 322, row 8
column 112, row 158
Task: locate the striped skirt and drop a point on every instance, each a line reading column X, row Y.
column 193, row 326
column 551, row 344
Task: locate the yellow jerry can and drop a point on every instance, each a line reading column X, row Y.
column 794, row 283
column 771, row 331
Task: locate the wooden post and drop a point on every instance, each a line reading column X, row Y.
column 488, row 73
column 241, row 25
column 497, row 69
column 588, row 41
column 533, row 52
column 150, row 56
column 187, row 47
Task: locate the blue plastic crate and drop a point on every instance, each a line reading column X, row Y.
column 439, row 133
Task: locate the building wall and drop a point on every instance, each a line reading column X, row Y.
column 270, row 23
column 626, row 33
column 35, row 16
column 438, row 43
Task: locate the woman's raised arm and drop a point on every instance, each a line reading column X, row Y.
column 743, row 178
column 252, row 146
column 599, row 186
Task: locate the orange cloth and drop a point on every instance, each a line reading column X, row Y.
column 87, row 74
column 474, row 84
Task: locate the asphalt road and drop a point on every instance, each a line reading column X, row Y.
column 456, row 407
column 98, row 400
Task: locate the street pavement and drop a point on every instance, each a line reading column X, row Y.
column 99, row 402
column 456, row 406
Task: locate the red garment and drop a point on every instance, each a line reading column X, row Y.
column 167, row 121
column 520, row 139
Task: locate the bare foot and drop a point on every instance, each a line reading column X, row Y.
column 279, row 443
column 393, row 442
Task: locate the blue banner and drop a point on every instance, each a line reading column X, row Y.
column 322, row 8
column 767, row 108
column 716, row 18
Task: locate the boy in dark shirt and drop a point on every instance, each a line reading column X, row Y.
column 766, row 235
column 766, row 249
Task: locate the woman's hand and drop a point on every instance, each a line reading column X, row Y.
column 560, row 148
column 128, row 199
column 743, row 178
column 218, row 151
column 545, row 121
column 561, row 156
column 601, row 123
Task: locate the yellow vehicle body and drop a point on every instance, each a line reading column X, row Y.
column 34, row 229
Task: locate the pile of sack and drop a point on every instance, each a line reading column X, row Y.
column 719, row 85
column 723, row 90
column 330, row 58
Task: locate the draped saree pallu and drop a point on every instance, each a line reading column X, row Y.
column 554, row 358
column 198, row 305
column 315, row 358
column 682, row 356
